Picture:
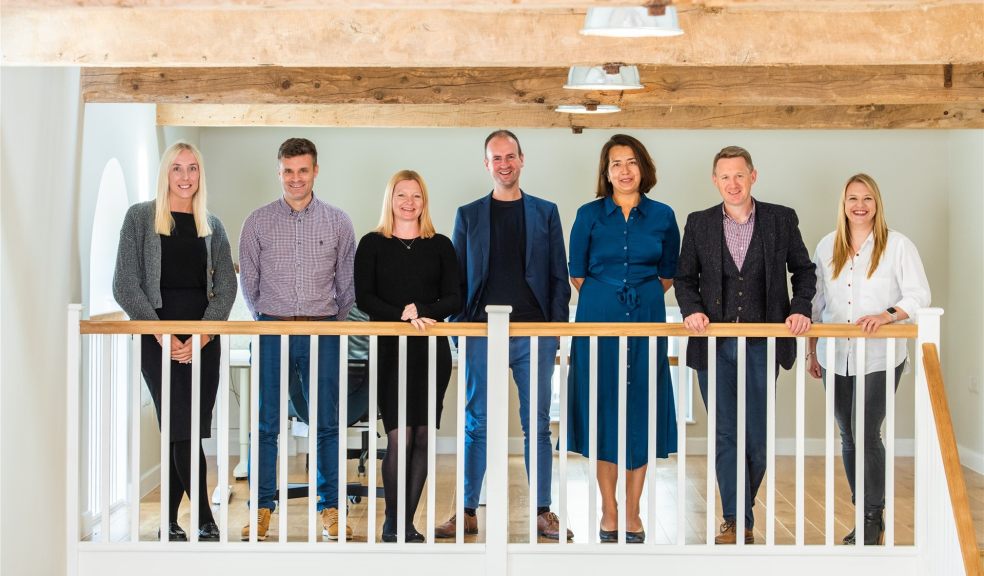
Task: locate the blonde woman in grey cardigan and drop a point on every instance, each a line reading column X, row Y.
column 174, row 263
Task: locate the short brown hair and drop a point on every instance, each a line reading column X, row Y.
column 502, row 133
column 647, row 169
column 297, row 147
column 733, row 152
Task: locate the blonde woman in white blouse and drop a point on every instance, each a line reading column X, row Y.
column 867, row 275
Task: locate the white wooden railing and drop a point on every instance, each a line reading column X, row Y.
column 109, row 550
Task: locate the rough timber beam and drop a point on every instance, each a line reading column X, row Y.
column 342, row 37
column 451, row 116
column 665, row 85
column 487, row 5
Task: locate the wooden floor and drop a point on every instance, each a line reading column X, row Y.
column 663, row 530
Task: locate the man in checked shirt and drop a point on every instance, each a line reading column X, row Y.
column 733, row 264
column 296, row 264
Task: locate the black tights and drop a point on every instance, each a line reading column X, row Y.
column 180, row 481
column 416, row 451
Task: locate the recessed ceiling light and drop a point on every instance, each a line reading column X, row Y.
column 631, row 22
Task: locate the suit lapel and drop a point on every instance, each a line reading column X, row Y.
column 768, row 230
column 484, row 234
column 716, row 250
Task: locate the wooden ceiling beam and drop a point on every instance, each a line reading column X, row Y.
column 412, row 37
column 486, row 5
column 532, row 116
column 664, row 86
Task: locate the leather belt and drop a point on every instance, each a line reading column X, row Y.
column 298, row 318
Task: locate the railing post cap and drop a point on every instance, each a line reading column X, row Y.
column 75, row 307
column 498, row 309
column 929, row 312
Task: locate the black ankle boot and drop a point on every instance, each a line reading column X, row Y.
column 874, row 528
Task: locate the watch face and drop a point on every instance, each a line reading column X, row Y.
column 891, row 310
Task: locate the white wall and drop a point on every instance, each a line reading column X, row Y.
column 803, row 169
column 40, row 268
column 963, row 344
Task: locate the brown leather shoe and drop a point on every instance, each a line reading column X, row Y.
column 262, row 525
column 727, row 534
column 548, row 526
column 449, row 528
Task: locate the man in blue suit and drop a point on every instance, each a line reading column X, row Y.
column 510, row 248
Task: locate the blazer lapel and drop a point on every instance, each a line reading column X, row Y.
column 529, row 215
column 768, row 222
column 484, row 233
column 716, row 253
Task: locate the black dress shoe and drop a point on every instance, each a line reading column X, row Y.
column 850, row 538
column 209, row 532
column 413, row 536
column 174, row 533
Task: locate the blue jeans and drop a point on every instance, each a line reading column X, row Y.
column 726, row 459
column 299, row 371
column 476, row 374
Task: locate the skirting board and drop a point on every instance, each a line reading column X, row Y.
column 150, row 480
column 971, row 459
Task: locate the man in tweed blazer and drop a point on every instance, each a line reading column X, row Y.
column 733, row 265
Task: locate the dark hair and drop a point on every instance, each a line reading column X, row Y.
column 733, row 152
column 647, row 169
column 297, row 147
column 502, row 133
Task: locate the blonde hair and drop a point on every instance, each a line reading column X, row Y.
column 842, row 240
column 385, row 226
column 163, row 221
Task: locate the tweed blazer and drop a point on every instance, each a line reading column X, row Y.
column 137, row 279
column 700, row 273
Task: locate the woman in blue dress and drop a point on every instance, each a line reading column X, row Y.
column 623, row 255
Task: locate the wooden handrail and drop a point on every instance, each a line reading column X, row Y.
column 951, row 461
column 479, row 329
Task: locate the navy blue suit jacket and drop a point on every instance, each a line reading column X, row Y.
column 546, row 258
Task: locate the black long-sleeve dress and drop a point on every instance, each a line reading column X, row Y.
column 389, row 274
column 184, row 291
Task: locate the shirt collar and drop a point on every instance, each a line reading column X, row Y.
column 283, row 205
column 611, row 206
column 751, row 215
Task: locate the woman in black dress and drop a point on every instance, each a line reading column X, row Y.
column 405, row 271
column 174, row 263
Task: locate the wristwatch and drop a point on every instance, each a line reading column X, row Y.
column 892, row 313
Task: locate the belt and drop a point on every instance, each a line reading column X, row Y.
column 625, row 293
column 298, row 318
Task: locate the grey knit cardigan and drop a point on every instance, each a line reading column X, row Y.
column 137, row 280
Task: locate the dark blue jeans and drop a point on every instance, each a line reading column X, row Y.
column 299, row 371
column 476, row 411
column 726, row 459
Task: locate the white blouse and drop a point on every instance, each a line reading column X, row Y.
column 899, row 281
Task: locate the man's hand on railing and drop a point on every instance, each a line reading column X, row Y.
column 696, row 322
column 798, row 324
